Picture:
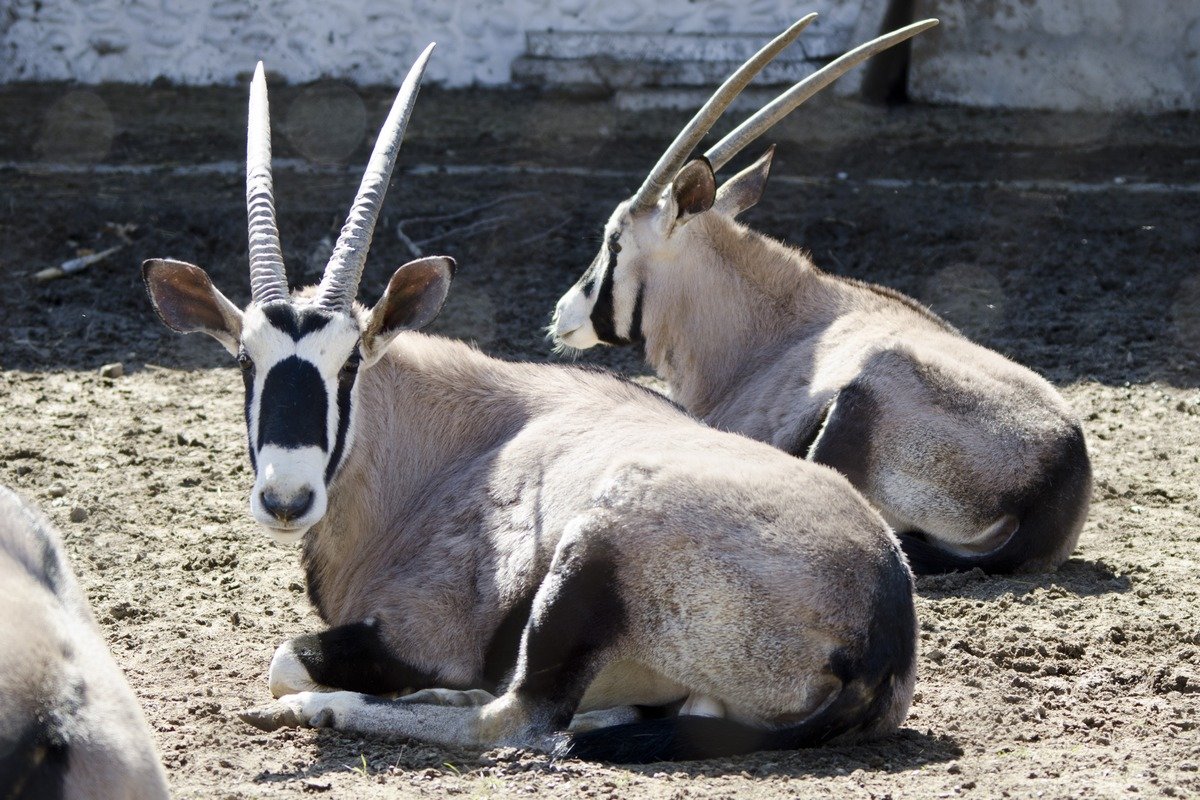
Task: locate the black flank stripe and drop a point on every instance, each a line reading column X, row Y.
column 502, row 651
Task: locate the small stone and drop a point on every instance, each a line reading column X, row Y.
column 123, row 610
column 112, row 370
column 312, row 785
column 57, row 490
column 78, row 514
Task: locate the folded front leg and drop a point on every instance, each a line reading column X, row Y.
column 577, row 616
column 505, row 721
column 355, row 657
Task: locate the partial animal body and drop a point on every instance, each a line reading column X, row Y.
column 534, row 547
column 974, row 460
column 70, row 726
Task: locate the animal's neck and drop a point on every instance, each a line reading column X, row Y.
column 723, row 295
column 427, row 403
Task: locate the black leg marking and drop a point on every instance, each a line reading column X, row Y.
column 34, row 763
column 845, row 443
column 1049, row 512
column 578, row 614
column 354, row 657
column 805, row 440
column 891, row 644
column 501, row 657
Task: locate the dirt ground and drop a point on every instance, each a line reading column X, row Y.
column 1067, row 242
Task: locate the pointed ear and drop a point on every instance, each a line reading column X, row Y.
column 694, row 189
column 186, row 301
column 743, row 190
column 412, row 300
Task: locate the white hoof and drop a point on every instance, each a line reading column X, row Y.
column 303, row 710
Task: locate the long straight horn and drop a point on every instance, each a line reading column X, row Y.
column 668, row 166
column 339, row 285
column 268, row 281
column 769, row 115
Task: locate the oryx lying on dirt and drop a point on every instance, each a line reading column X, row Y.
column 974, row 460
column 563, row 536
column 70, row 726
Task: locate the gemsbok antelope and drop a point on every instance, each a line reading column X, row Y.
column 70, row 726
column 974, row 460
column 561, row 537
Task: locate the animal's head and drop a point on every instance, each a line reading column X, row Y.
column 301, row 358
column 605, row 305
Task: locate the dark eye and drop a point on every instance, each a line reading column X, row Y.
column 245, row 362
column 615, row 246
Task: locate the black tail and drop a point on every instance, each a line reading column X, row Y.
column 690, row 739
column 1052, row 515
column 876, row 688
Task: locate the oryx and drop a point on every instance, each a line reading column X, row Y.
column 70, row 726
column 973, row 459
column 561, row 537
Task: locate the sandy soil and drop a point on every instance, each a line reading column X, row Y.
column 1067, row 242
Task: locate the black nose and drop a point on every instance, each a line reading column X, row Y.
column 284, row 510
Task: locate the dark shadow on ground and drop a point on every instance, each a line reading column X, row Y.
column 904, row 751
column 1078, row 577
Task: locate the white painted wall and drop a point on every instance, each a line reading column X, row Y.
column 1065, row 55
column 365, row 41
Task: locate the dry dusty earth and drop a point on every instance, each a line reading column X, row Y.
column 1067, row 242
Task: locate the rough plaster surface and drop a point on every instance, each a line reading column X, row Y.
column 1067, row 55
column 365, row 41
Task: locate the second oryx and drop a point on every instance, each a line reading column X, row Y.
column 561, row 537
column 973, row 459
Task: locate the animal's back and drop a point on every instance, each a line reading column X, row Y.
column 70, row 726
column 957, row 444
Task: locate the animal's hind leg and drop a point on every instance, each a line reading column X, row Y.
column 577, row 616
column 353, row 657
column 843, row 441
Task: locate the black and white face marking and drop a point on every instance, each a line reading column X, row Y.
column 300, row 365
column 605, row 304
